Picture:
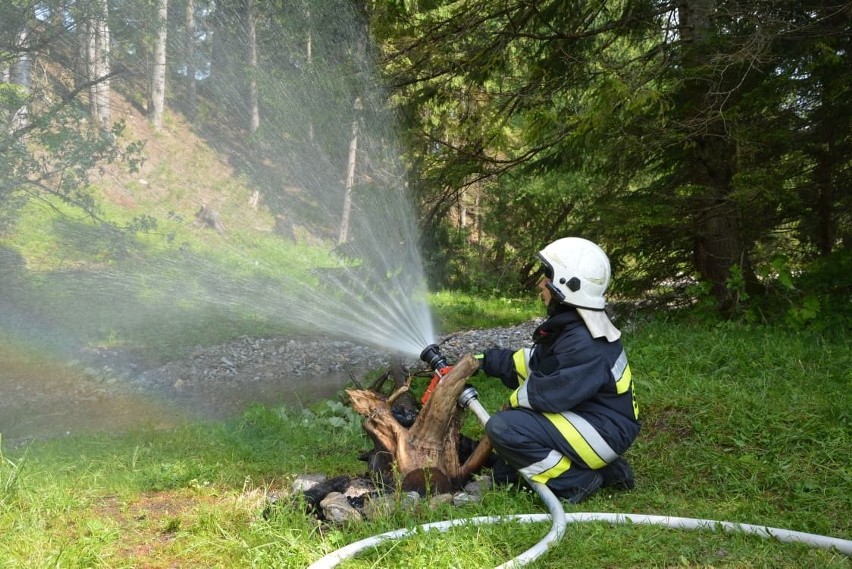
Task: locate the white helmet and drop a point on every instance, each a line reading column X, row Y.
column 578, row 270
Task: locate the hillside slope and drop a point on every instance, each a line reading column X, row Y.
column 181, row 173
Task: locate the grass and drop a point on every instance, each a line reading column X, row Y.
column 740, row 423
column 158, row 292
column 458, row 311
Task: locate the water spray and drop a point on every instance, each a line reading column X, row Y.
column 559, row 519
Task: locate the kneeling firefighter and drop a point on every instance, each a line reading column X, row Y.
column 572, row 413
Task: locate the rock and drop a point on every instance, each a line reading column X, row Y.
column 463, row 498
column 440, row 500
column 305, row 482
column 377, row 507
column 410, row 500
column 478, row 486
column 337, row 509
column 358, row 488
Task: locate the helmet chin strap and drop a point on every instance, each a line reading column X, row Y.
column 555, row 293
column 556, row 298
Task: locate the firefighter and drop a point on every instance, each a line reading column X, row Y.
column 572, row 414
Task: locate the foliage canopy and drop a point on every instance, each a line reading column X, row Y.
column 705, row 144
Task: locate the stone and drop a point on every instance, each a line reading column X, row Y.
column 479, row 486
column 358, row 488
column 440, row 500
column 377, row 507
column 337, row 509
column 463, row 498
column 305, row 482
column 410, row 499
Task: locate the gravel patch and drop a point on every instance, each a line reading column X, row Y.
column 251, row 360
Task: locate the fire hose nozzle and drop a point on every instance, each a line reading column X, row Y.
column 432, row 356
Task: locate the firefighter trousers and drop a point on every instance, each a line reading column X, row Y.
column 528, row 443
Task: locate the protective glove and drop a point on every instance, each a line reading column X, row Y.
column 480, row 360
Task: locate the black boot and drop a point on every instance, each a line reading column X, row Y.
column 618, row 474
column 502, row 473
column 577, row 495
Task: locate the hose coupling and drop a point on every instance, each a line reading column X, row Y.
column 469, row 394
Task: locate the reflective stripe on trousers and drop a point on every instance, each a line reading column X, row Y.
column 586, row 441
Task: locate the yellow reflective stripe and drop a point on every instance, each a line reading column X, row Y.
column 551, row 466
column 621, row 373
column 576, row 440
column 521, row 359
column 563, row 465
column 591, row 435
column 623, row 383
column 520, row 397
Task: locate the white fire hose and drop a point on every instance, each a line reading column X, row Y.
column 559, row 519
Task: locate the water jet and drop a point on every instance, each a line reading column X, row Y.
column 346, row 266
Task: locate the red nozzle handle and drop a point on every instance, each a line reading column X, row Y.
column 436, row 379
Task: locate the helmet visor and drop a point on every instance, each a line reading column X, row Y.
column 545, row 268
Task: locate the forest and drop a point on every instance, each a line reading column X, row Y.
column 705, row 144
column 216, row 206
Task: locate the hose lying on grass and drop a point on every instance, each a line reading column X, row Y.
column 559, row 519
column 784, row 535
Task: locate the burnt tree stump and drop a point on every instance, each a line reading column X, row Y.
column 425, row 456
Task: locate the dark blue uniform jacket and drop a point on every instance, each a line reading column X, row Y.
column 568, row 370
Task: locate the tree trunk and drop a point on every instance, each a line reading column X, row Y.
column 830, row 152
column 191, row 83
column 157, row 98
column 343, row 237
column 19, row 74
column 251, row 43
column 709, row 157
column 309, row 60
column 98, row 64
column 425, row 456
